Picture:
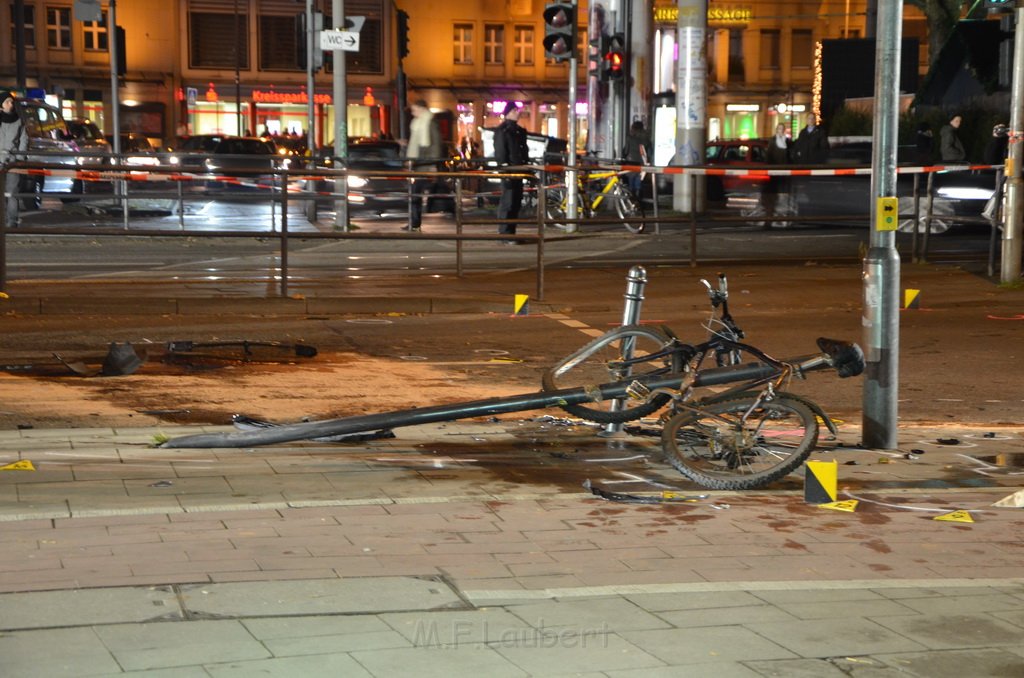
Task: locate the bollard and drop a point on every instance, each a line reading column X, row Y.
column 635, row 283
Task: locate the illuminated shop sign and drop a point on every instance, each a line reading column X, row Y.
column 716, row 15
column 261, row 97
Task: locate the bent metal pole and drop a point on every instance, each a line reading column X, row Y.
column 882, row 263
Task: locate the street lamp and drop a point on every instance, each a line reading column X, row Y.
column 238, row 86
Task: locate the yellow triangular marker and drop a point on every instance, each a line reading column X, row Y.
column 23, row 465
column 522, row 304
column 911, row 298
column 3, row 295
column 956, row 517
column 850, row 505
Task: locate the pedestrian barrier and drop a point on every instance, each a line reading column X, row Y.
column 280, row 186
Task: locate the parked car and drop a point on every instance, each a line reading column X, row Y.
column 735, row 152
column 136, row 149
column 93, row 148
column 190, row 152
column 250, row 159
column 49, row 141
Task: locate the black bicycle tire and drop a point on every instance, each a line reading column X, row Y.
column 624, row 196
column 554, row 207
column 591, row 413
column 739, row 481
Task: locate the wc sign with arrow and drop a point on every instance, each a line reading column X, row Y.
column 344, row 41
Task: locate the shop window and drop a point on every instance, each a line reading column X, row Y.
column 212, row 42
column 30, row 27
column 58, row 27
column 524, row 46
column 737, row 70
column 278, row 43
column 803, row 48
column 770, row 39
column 494, row 44
column 462, row 44
column 94, row 35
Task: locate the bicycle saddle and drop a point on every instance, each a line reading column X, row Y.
column 846, row 356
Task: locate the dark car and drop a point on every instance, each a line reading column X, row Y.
column 371, row 187
column 245, row 154
column 190, row 152
column 136, row 149
column 739, row 152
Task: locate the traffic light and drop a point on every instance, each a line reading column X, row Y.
column 598, row 66
column 615, row 57
column 302, row 37
column 122, row 58
column 560, row 31
column 403, row 34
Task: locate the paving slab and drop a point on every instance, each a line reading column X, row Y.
column 140, row 647
column 325, row 596
column 55, row 653
column 83, row 607
column 314, row 666
column 836, row 637
column 956, row 663
column 941, row 632
column 465, row 660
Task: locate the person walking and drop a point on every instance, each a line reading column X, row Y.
column 423, row 152
column 951, row 149
column 811, row 147
column 636, row 152
column 995, row 154
column 12, row 140
column 510, row 150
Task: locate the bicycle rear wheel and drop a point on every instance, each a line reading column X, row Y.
column 629, row 209
column 599, row 362
column 555, row 209
column 740, row 443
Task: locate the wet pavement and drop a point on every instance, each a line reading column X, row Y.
column 488, row 547
column 475, row 548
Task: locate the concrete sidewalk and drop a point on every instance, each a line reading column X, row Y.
column 470, row 549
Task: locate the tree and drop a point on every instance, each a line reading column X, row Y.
column 942, row 16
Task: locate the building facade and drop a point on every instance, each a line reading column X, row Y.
column 230, row 66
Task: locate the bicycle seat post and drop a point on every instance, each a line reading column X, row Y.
column 636, row 281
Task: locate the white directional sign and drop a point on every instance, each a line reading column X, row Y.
column 345, row 41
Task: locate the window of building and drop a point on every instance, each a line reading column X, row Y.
column 212, row 41
column 94, row 35
column 524, row 46
column 30, row 26
column 278, row 46
column 58, row 27
column 370, row 57
column 737, row 69
column 494, row 44
column 462, row 44
column 770, row 39
column 803, row 48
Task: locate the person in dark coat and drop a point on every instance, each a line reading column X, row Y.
column 995, row 151
column 636, row 152
column 510, row 150
column 776, row 189
column 924, row 144
column 12, row 140
column 811, row 147
column 951, row 149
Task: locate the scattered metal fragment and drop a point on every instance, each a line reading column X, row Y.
column 947, row 441
column 161, row 483
column 663, row 498
column 301, row 350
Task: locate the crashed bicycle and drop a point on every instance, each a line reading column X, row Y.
column 748, row 435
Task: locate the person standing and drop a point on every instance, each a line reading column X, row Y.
column 995, row 154
column 924, row 144
column 510, row 150
column 423, row 151
column 12, row 140
column 779, row 152
column 951, row 149
column 811, row 147
column 636, row 152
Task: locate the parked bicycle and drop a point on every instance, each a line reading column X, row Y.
column 744, row 437
column 594, row 189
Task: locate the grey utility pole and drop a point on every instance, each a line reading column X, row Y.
column 882, row 264
column 1013, row 224
column 115, row 100
column 572, row 189
column 340, row 121
column 691, row 100
column 312, row 38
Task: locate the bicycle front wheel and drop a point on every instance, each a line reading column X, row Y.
column 555, row 209
column 740, row 443
column 600, row 362
column 629, row 209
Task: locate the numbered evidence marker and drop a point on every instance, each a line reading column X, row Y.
column 887, row 214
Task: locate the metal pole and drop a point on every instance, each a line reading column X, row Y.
column 691, row 98
column 1013, row 228
column 3, row 228
column 340, row 122
column 120, row 186
column 238, row 82
column 636, row 281
column 571, row 187
column 311, row 38
column 882, row 264
column 284, row 233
